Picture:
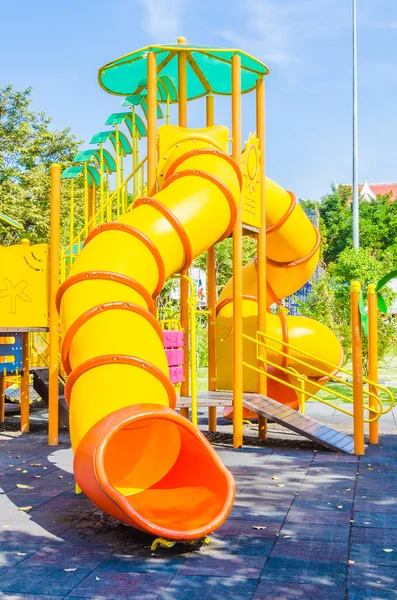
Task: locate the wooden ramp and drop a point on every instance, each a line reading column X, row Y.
column 278, row 413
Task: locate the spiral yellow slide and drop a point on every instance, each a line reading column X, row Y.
column 292, row 255
column 135, row 456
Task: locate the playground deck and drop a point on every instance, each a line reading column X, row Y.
column 306, row 524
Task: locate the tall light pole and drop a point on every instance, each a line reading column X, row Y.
column 355, row 134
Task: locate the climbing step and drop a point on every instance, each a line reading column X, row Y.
column 301, row 424
column 281, row 414
column 40, row 384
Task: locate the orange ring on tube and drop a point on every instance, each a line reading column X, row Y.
column 107, row 275
column 228, row 194
column 96, row 310
column 181, row 159
column 171, row 218
column 229, row 299
column 142, row 238
column 284, row 217
column 120, row 359
column 300, row 261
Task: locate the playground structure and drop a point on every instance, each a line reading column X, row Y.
column 133, row 450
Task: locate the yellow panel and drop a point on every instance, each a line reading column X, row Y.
column 252, row 182
column 24, row 286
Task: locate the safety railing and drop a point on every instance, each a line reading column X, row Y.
column 114, row 206
column 304, row 381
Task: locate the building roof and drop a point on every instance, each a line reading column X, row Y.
column 369, row 191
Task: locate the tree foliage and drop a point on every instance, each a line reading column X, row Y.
column 28, row 147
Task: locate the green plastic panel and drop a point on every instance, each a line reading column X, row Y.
column 211, row 71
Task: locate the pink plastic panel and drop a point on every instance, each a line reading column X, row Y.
column 176, row 374
column 173, row 339
column 174, row 357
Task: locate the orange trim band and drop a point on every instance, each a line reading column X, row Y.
column 142, row 238
column 229, row 299
column 224, row 189
column 199, row 151
column 176, row 224
column 120, row 359
column 96, row 310
column 109, row 276
column 284, row 217
column 300, row 261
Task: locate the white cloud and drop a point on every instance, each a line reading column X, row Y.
column 276, row 30
column 163, row 19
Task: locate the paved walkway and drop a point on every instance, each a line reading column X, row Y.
column 306, row 524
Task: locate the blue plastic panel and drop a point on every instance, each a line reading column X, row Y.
column 12, row 348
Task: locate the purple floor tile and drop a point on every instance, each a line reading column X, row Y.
column 209, row 588
column 373, row 519
column 148, row 564
column 253, row 528
column 319, row 517
column 249, row 567
column 310, row 550
column 372, row 595
column 241, row 545
column 374, row 535
column 109, row 584
column 267, row 590
column 41, row 580
column 313, row 572
column 371, row 554
column 372, row 577
column 319, row 533
column 67, row 556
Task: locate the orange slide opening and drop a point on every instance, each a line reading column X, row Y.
column 154, row 483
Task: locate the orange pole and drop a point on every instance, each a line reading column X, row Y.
column 373, row 358
column 237, row 265
column 152, row 122
column 357, row 364
column 2, row 398
column 25, row 409
column 260, row 132
column 184, row 286
column 211, row 298
column 55, row 222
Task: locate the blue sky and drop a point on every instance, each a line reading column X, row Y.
column 57, row 49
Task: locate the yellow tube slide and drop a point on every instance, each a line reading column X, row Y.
column 292, row 255
column 135, row 456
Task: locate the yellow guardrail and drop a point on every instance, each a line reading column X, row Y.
column 303, row 380
column 104, row 214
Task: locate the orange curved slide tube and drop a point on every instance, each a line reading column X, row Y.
column 292, row 255
column 135, row 456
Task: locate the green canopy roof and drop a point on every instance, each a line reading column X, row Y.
column 208, row 70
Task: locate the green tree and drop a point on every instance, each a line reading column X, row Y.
column 329, row 301
column 27, row 149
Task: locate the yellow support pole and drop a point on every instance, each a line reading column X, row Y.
column 134, row 153
column 101, row 189
column 357, row 368
column 2, row 398
column 117, row 171
column 211, row 298
column 373, row 358
column 55, row 222
column 260, row 132
column 152, row 122
column 86, row 200
column 71, row 225
column 91, row 207
column 184, row 290
column 25, row 409
column 237, row 265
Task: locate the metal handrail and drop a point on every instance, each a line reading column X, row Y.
column 303, row 379
column 322, row 371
